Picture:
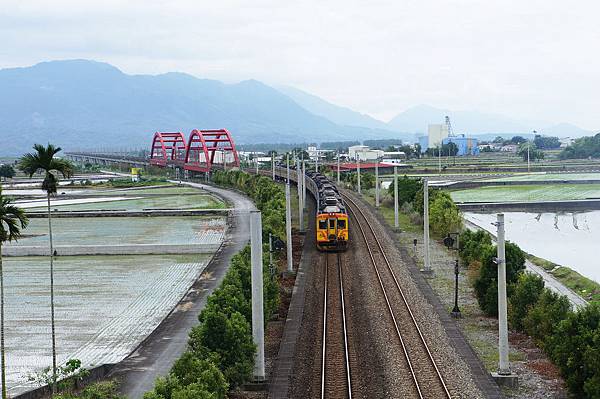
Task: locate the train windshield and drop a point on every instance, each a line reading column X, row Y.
column 322, row 224
column 341, row 223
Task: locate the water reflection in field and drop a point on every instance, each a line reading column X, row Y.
column 569, row 239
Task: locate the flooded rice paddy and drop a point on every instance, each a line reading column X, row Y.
column 568, row 239
column 105, row 306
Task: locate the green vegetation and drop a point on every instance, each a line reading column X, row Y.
column 220, row 351
column 529, row 152
column 546, row 192
column 570, row 338
column 584, row 147
column 7, row 172
column 98, row 390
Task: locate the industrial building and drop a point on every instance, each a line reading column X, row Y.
column 436, row 133
column 466, row 145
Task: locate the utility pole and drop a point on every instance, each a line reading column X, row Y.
column 440, row 159
column 504, row 366
column 528, row 165
column 256, row 160
column 273, row 164
column 426, row 265
column 396, row 223
column 258, row 333
column 303, row 184
column 271, row 268
column 287, row 164
column 338, row 168
column 299, row 187
column 358, row 171
column 377, row 182
column 288, row 225
column 316, row 160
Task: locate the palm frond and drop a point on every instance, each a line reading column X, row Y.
column 43, row 160
column 12, row 220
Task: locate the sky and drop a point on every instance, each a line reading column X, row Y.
column 531, row 60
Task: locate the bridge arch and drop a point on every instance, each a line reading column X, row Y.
column 168, row 147
column 210, row 147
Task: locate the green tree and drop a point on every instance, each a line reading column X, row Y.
column 230, row 340
column 407, row 189
column 572, row 345
column 498, row 140
column 543, row 318
column 44, row 160
column 189, row 369
column 525, row 295
column 486, row 284
column 473, row 245
column 444, row 215
column 12, row 221
column 518, row 140
column 528, row 150
column 7, row 171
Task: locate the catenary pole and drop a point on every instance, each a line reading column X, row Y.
column 288, row 226
column 287, row 164
column 273, row 164
column 299, row 187
column 304, row 184
column 503, row 364
column 426, row 265
column 258, row 334
column 377, row 182
column 358, row 172
column 396, row 223
column 338, row 167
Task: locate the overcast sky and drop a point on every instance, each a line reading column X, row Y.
column 528, row 59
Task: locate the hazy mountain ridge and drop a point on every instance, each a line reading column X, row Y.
column 86, row 104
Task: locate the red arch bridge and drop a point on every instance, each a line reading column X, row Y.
column 202, row 152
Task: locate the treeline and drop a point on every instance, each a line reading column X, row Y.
column 220, row 353
column 570, row 338
column 268, row 197
column 584, row 147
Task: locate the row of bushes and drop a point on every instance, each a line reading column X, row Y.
column 571, row 338
column 268, row 197
column 220, row 352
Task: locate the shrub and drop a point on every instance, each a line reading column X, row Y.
column 407, row 189
column 542, row 319
column 472, row 245
column 444, row 215
column 486, row 284
column 573, row 348
column 229, row 339
column 189, row 369
column 525, row 294
column 98, row 390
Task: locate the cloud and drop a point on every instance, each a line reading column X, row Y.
column 534, row 59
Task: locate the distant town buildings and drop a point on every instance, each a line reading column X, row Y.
column 364, row 153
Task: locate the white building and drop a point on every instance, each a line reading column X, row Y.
column 364, row 153
column 436, row 133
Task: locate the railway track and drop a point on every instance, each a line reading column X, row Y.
column 427, row 380
column 335, row 364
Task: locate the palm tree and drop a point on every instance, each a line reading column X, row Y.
column 12, row 220
column 43, row 160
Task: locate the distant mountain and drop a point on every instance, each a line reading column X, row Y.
column 417, row 118
column 565, row 130
column 87, row 104
column 340, row 115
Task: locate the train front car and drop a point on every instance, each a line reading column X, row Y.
column 332, row 218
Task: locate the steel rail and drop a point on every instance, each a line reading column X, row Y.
column 344, row 328
column 388, row 264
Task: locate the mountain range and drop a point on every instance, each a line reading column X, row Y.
column 81, row 104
